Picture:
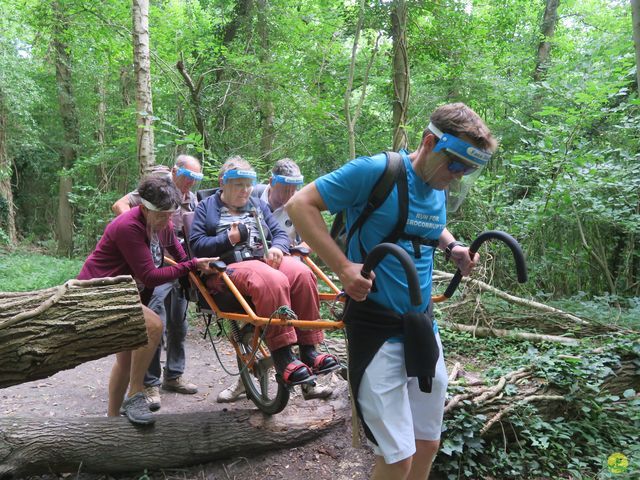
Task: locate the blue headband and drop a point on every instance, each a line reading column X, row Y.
column 230, row 174
column 459, row 148
column 185, row 172
column 288, row 180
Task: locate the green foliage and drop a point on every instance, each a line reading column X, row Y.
column 591, row 425
column 25, row 270
column 565, row 180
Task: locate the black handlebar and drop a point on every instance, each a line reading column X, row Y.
column 518, row 256
column 380, row 251
column 376, row 255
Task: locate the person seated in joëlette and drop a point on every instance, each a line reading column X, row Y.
column 226, row 225
column 285, row 180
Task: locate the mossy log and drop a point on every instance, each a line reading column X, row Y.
column 113, row 445
column 45, row 331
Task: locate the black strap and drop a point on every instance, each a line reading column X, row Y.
column 379, row 192
column 394, row 174
column 417, row 243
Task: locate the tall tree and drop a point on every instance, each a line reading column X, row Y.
column 635, row 15
column 70, row 126
column 548, row 29
column 195, row 94
column 7, row 218
column 142, row 69
column 267, row 108
column 352, row 118
column 400, row 74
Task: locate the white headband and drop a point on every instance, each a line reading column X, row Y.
column 435, row 130
column 153, row 208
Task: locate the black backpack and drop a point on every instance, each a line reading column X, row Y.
column 394, row 173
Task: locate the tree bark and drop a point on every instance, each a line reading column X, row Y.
column 8, row 216
column 142, row 70
column 352, row 119
column 548, row 29
column 113, row 445
column 635, row 16
column 195, row 91
column 125, row 85
column 46, row 331
column 70, row 126
column 401, row 85
column 267, row 108
column 101, row 130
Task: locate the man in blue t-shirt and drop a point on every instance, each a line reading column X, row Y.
column 402, row 414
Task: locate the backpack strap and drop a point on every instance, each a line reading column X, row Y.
column 403, row 213
column 403, row 200
column 394, row 174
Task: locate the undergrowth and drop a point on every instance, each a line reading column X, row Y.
column 22, row 270
column 593, row 427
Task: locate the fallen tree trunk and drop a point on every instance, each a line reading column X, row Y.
column 511, row 334
column 111, row 445
column 46, row 331
column 441, row 276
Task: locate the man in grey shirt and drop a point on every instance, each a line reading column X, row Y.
column 167, row 300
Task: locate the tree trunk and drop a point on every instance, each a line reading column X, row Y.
column 547, row 31
column 352, row 119
column 71, row 141
column 113, row 445
column 635, row 15
column 195, row 91
column 267, row 108
column 46, row 331
column 401, row 84
column 142, row 69
column 268, row 116
column 240, row 20
column 125, row 85
column 100, row 131
column 7, row 207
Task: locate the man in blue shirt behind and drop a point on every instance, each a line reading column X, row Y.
column 402, row 414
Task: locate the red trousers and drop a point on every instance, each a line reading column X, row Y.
column 293, row 285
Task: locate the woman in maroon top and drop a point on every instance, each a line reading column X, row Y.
column 133, row 244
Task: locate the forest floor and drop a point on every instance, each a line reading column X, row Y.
column 82, row 391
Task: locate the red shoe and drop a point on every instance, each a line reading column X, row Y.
column 322, row 363
column 297, row 373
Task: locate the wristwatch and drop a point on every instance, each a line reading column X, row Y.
column 450, row 247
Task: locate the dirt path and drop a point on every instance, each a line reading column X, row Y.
column 83, row 392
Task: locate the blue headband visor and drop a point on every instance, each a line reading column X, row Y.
column 474, row 158
column 231, row 174
column 185, row 172
column 288, row 180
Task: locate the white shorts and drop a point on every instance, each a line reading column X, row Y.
column 394, row 408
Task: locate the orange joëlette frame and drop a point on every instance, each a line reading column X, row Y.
column 251, row 317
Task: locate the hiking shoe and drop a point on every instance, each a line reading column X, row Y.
column 310, row 391
column 289, row 369
column 137, row 410
column 232, row 392
column 179, row 385
column 320, row 363
column 152, row 395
